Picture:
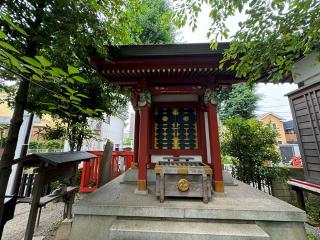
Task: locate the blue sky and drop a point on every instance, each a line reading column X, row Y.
column 272, row 95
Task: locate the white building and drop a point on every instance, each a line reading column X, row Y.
column 112, row 128
column 21, row 137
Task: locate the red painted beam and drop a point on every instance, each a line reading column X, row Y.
column 177, row 90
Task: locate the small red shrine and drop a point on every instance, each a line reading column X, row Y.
column 173, row 90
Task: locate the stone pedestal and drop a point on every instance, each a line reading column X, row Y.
column 115, row 212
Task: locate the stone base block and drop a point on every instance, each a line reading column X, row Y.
column 64, row 230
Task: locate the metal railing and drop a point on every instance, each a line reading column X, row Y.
column 47, row 150
column 121, row 161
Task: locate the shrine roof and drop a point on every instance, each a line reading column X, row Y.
column 169, row 64
column 165, row 65
column 189, row 49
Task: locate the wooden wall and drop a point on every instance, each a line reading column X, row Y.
column 305, row 109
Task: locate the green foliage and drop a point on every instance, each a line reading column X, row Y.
column 312, row 206
column 226, row 159
column 271, row 38
column 240, row 102
column 39, row 69
column 127, row 141
column 82, row 25
column 54, row 144
column 311, row 236
column 77, row 132
column 50, row 144
column 3, row 134
column 155, row 24
column 36, row 145
column 251, row 144
column 56, row 132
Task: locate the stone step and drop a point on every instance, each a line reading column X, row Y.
column 173, row 230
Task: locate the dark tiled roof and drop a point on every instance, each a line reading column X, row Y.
column 166, row 49
column 55, row 159
column 288, row 125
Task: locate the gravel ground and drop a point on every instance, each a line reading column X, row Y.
column 51, row 216
column 314, row 230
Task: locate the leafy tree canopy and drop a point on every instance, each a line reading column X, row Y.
column 155, row 24
column 240, row 102
column 273, row 36
column 64, row 31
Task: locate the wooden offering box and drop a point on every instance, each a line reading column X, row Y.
column 183, row 179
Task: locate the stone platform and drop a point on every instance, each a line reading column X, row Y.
column 242, row 212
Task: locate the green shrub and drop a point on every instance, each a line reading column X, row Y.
column 226, row 159
column 51, row 144
column 251, row 145
column 54, row 144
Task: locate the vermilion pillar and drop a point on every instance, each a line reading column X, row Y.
column 143, row 147
column 136, row 137
column 215, row 147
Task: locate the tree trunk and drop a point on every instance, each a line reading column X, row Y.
column 9, row 150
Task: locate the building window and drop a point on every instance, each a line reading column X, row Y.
column 279, row 142
column 273, row 126
column 290, row 131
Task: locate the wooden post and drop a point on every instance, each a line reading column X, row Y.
column 300, row 198
column 215, row 147
column 136, row 137
column 70, row 201
column 143, row 147
column 36, row 194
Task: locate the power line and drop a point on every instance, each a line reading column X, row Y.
column 27, row 79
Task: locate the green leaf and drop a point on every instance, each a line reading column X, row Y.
column 70, row 80
column 14, row 61
column 36, row 70
column 19, row 29
column 76, row 103
column 70, row 90
column 31, row 61
column 53, row 73
column 44, row 62
column 59, row 97
column 59, row 71
column 79, row 79
column 36, row 77
column 2, row 34
column 72, row 70
column 75, row 98
column 8, row 46
column 82, row 95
